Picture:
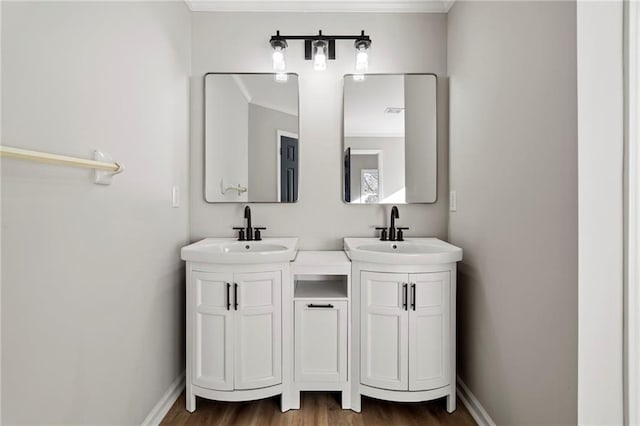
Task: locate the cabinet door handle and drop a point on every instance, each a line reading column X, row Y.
column 312, row 305
column 235, row 296
column 404, row 296
column 228, row 297
column 413, row 296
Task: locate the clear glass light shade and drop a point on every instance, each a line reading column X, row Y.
column 278, row 59
column 362, row 59
column 319, row 56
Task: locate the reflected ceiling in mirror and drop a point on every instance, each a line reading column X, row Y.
column 251, row 138
column 390, row 139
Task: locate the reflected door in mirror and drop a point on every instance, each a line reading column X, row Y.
column 288, row 168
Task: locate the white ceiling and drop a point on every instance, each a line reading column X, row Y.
column 359, row 6
column 365, row 103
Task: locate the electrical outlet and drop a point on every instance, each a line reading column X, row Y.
column 453, row 201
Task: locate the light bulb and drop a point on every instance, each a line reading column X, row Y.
column 278, row 59
column 362, row 59
column 319, row 56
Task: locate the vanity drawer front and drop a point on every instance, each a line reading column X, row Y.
column 320, row 341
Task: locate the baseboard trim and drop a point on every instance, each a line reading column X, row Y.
column 165, row 403
column 470, row 401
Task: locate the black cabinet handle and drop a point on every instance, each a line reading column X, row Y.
column 413, row 296
column 228, row 297
column 313, row 305
column 235, row 296
column 404, row 296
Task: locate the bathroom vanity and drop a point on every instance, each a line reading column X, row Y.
column 377, row 320
column 404, row 304
column 235, row 310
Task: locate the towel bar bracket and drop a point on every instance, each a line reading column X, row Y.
column 103, row 177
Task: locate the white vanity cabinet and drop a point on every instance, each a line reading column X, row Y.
column 237, row 324
column 234, row 331
column 406, row 330
column 404, row 321
column 322, row 324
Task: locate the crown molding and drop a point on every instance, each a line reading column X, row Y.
column 327, row 6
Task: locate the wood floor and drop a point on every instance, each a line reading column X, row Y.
column 317, row 408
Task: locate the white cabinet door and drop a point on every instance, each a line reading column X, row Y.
column 258, row 332
column 212, row 350
column 429, row 331
column 321, row 341
column 384, row 342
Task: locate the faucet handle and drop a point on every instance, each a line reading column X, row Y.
column 383, row 233
column 400, row 234
column 240, row 233
column 256, row 233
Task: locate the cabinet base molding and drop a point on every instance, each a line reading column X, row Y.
column 474, row 407
column 165, row 403
column 236, row 395
column 406, row 396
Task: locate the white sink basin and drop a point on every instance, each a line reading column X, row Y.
column 412, row 251
column 228, row 250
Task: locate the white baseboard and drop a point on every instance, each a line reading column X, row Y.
column 165, row 403
column 476, row 409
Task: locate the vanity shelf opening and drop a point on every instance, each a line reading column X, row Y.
column 320, row 286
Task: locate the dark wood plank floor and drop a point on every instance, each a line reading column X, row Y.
column 317, row 409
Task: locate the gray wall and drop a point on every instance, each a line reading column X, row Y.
column 92, row 282
column 420, row 147
column 263, row 170
column 513, row 156
column 226, row 138
column 401, row 43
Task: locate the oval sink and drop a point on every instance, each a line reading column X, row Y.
column 418, row 251
column 227, row 250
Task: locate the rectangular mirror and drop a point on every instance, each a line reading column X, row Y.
column 390, row 139
column 251, row 138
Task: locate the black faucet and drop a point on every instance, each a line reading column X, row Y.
column 395, row 234
column 249, row 233
column 392, row 229
column 247, row 215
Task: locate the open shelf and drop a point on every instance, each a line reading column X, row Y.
column 333, row 287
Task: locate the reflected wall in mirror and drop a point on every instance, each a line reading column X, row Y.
column 251, row 138
column 390, row 139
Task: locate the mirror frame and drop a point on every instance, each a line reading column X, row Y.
column 342, row 186
column 204, row 137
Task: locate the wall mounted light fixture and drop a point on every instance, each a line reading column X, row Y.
column 320, row 48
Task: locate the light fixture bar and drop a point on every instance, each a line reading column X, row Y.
column 309, row 40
